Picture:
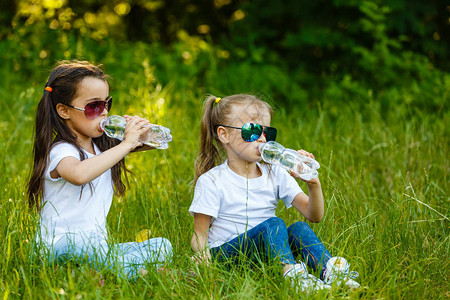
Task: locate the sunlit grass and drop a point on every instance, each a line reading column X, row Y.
column 384, row 177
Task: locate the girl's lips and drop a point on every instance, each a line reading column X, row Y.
column 100, row 125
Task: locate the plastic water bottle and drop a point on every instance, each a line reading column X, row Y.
column 157, row 136
column 274, row 153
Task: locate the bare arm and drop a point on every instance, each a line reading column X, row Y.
column 311, row 207
column 82, row 172
column 199, row 241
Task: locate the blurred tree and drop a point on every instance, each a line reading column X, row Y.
column 322, row 33
column 7, row 11
column 376, row 40
column 161, row 20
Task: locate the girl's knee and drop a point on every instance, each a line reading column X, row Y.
column 299, row 227
column 275, row 222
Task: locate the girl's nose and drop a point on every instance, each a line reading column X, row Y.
column 105, row 111
column 262, row 138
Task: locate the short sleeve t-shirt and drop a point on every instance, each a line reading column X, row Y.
column 72, row 209
column 237, row 204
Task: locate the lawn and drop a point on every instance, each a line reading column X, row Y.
column 384, row 173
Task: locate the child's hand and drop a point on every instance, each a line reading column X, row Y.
column 203, row 257
column 307, row 154
column 128, row 118
column 135, row 127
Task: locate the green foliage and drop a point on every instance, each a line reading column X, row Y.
column 340, row 49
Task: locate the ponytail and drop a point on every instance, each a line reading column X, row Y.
column 209, row 153
column 43, row 136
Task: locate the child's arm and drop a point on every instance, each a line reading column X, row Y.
column 82, row 172
column 311, row 207
column 199, row 241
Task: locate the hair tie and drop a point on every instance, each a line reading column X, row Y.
column 47, row 88
column 217, row 99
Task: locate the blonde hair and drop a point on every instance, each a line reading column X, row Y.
column 219, row 113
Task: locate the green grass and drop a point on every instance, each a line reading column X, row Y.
column 384, row 174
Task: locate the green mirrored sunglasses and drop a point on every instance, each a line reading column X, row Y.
column 250, row 132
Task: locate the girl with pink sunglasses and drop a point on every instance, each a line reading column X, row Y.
column 77, row 169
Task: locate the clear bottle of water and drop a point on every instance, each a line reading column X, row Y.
column 274, row 153
column 157, row 136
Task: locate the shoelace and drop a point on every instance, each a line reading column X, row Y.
column 352, row 274
column 297, row 270
column 314, row 278
column 343, row 275
column 347, row 275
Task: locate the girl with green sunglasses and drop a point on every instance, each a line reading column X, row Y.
column 235, row 199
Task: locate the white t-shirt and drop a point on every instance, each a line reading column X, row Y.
column 237, row 204
column 72, row 209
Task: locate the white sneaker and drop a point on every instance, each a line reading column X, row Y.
column 304, row 282
column 337, row 272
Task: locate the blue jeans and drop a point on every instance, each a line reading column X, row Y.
column 125, row 258
column 272, row 240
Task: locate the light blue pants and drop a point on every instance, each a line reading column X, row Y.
column 125, row 258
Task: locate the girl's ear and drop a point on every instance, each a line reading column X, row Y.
column 222, row 134
column 63, row 111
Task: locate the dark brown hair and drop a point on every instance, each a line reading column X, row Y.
column 215, row 114
column 50, row 128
